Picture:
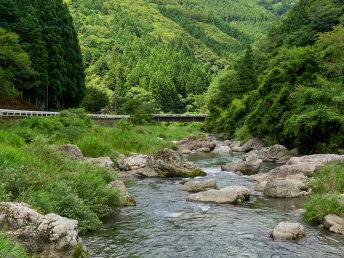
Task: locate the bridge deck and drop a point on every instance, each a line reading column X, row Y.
column 102, row 117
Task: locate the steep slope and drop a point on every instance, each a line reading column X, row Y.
column 171, row 49
column 299, row 69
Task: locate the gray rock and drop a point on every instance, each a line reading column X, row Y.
column 288, row 231
column 105, row 162
column 246, row 167
column 222, row 149
column 199, row 186
column 193, row 143
column 231, row 194
column 228, row 143
column 253, row 144
column 44, row 235
column 299, row 167
column 203, row 150
column 124, row 197
column 235, row 144
column 132, row 162
column 73, row 151
column 285, row 188
column 170, row 163
column 237, row 149
column 334, row 223
column 186, row 152
column 275, row 153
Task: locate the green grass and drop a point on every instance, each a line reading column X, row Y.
column 327, row 186
column 8, row 249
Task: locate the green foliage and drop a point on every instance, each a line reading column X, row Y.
column 46, row 33
column 293, row 90
column 95, row 99
column 9, row 249
column 15, row 65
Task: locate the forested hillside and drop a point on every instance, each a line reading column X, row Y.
column 164, row 54
column 40, row 58
column 290, row 89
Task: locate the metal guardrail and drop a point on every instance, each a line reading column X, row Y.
column 28, row 113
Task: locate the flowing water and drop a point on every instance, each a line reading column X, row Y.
column 163, row 224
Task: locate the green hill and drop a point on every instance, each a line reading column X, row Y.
column 290, row 89
column 169, row 49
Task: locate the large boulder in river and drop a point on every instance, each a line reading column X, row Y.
column 275, row 153
column 253, row 144
column 193, row 143
column 105, row 162
column 299, row 167
column 71, row 150
column 246, row 167
column 124, row 197
column 334, row 223
column 231, row 194
column 44, row 235
column 288, row 231
column 199, row 186
column 286, row 188
column 165, row 163
column 170, row 163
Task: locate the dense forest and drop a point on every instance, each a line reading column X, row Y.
column 290, row 88
column 40, row 57
column 164, row 53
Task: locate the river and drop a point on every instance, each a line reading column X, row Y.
column 163, row 224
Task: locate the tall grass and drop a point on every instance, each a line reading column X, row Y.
column 327, row 186
column 51, row 182
column 8, row 249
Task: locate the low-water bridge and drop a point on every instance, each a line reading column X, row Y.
column 107, row 119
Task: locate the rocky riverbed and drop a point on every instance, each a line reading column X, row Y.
column 165, row 224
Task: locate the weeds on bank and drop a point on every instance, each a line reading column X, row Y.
column 10, row 249
column 327, row 186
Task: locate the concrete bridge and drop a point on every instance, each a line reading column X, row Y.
column 106, row 119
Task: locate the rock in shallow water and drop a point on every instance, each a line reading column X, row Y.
column 288, row 231
column 231, row 194
column 124, row 197
column 198, row 186
column 298, row 168
column 45, row 235
column 275, row 153
column 193, row 143
column 334, row 223
column 246, row 167
column 285, row 188
column 165, row 163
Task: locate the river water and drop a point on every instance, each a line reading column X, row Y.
column 163, row 224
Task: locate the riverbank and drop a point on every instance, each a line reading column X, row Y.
column 35, row 170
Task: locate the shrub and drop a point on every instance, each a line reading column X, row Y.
column 95, row 99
